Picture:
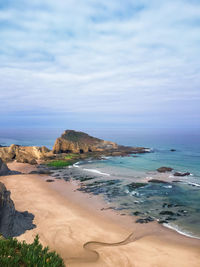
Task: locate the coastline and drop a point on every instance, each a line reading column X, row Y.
column 66, row 220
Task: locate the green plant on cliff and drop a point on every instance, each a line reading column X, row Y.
column 16, row 254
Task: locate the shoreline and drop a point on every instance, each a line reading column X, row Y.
column 84, row 222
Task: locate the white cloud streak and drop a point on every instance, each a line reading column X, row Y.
column 100, row 57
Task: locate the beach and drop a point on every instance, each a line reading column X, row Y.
column 76, row 226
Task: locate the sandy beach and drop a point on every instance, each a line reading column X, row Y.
column 74, row 224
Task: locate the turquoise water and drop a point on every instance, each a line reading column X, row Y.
column 112, row 176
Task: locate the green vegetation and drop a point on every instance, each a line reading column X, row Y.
column 16, row 254
column 60, row 163
column 72, row 156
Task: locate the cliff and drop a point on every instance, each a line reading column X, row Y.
column 24, row 154
column 3, row 168
column 12, row 222
column 79, row 142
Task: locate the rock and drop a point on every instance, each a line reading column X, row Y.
column 3, row 168
column 157, row 181
column 24, row 154
column 135, row 185
column 164, row 169
column 162, row 221
column 167, row 212
column 12, row 222
column 50, row 180
column 181, row 173
column 136, row 213
column 79, row 142
column 145, row 220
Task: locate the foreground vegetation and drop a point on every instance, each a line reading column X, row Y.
column 16, row 254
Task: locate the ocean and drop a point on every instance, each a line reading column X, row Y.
column 122, row 181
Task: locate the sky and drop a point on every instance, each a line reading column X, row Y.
column 77, row 64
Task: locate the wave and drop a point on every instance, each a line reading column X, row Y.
column 179, row 230
column 96, row 171
column 76, row 164
column 194, row 184
column 105, row 157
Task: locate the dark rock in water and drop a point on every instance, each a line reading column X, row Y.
column 172, row 150
column 183, row 211
column 50, row 180
column 181, row 173
column 164, row 169
column 135, row 185
column 12, row 222
column 171, row 219
column 169, row 205
column 162, row 221
column 157, row 181
column 167, row 212
column 136, row 213
column 145, row 220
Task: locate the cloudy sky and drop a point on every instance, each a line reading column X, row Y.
column 100, row 63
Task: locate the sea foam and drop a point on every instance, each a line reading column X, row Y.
column 96, row 171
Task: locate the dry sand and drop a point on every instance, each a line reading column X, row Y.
column 68, row 221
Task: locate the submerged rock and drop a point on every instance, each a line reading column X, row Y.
column 135, row 185
column 181, row 173
column 145, row 220
column 164, row 169
column 167, row 212
column 157, row 181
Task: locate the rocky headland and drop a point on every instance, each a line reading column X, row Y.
column 80, row 142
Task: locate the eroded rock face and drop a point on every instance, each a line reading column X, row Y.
column 79, row 142
column 12, row 222
column 24, row 154
column 3, row 168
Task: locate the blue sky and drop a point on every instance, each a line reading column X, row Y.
column 99, row 63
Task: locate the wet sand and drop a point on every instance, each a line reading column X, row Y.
column 74, row 224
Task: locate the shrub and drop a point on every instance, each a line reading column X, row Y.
column 20, row 254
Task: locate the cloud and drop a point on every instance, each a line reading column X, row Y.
column 134, row 60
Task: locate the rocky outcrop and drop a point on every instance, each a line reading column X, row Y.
column 3, row 168
column 24, row 154
column 79, row 142
column 164, row 169
column 12, row 222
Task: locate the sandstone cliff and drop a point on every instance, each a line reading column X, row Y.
column 79, row 142
column 25, row 154
column 12, row 222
